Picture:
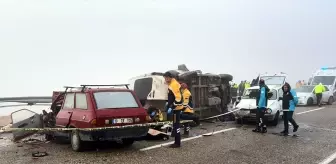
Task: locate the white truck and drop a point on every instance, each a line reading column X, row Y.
column 326, row 76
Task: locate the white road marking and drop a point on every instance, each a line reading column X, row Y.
column 310, row 111
column 186, row 139
column 329, row 159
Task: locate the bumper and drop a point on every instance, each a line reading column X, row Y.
column 253, row 116
column 114, row 134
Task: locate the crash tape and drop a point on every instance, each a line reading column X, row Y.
column 92, row 129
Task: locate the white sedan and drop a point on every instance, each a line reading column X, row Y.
column 307, row 97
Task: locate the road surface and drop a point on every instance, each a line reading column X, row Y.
column 230, row 143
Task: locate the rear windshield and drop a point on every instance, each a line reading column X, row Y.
column 113, row 100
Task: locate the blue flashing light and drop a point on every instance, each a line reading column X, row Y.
column 324, row 68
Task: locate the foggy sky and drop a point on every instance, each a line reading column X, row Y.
column 46, row 44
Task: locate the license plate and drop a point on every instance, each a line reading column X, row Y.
column 122, row 120
column 244, row 112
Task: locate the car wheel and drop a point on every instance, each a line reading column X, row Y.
column 330, row 100
column 239, row 121
column 76, row 142
column 276, row 119
column 127, row 142
column 310, row 101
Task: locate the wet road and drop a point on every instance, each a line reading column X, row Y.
column 232, row 143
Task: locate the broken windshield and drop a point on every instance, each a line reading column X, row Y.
column 253, row 93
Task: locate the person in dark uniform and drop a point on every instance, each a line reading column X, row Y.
column 175, row 103
column 262, row 98
column 289, row 101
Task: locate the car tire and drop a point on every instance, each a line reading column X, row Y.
column 330, row 100
column 310, row 101
column 127, row 142
column 226, row 77
column 275, row 122
column 76, row 142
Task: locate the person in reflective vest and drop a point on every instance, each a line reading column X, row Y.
column 318, row 90
column 188, row 112
column 262, row 98
column 175, row 103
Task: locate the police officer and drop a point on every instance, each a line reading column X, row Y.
column 261, row 104
column 188, row 112
column 318, row 90
column 175, row 102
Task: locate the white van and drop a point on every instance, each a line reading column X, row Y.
column 326, row 76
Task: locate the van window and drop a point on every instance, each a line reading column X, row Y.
column 81, row 102
column 325, row 80
column 69, row 101
column 115, row 100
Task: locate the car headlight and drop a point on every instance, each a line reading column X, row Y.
column 268, row 110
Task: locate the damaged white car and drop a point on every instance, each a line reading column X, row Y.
column 247, row 108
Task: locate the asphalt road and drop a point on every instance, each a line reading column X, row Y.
column 230, row 143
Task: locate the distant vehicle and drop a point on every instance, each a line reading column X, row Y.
column 307, row 97
column 247, row 106
column 271, row 79
column 326, row 76
column 85, row 107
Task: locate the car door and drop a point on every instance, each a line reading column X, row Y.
column 25, row 118
column 82, row 115
column 64, row 115
column 325, row 94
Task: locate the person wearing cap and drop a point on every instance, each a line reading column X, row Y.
column 188, row 112
column 261, row 107
column 175, row 103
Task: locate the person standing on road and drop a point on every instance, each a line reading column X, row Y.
column 289, row 101
column 175, row 103
column 188, row 112
column 318, row 90
column 261, row 104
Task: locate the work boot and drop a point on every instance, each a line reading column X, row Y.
column 295, row 128
column 174, row 146
column 264, row 130
column 282, row 132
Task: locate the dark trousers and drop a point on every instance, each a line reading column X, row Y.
column 176, row 127
column 288, row 116
column 318, row 97
column 261, row 120
column 190, row 116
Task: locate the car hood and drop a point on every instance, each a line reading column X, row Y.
column 303, row 94
column 251, row 103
